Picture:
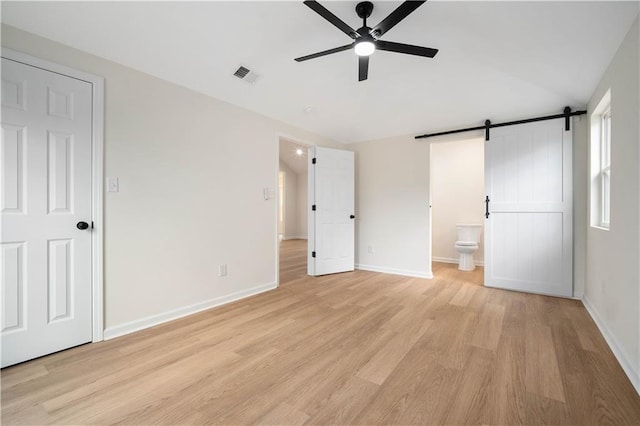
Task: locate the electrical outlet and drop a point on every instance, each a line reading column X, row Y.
column 222, row 270
column 370, row 249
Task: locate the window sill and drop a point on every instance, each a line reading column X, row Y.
column 600, row 227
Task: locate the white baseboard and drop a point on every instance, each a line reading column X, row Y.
column 394, row 271
column 617, row 350
column 295, row 237
column 456, row 261
column 150, row 321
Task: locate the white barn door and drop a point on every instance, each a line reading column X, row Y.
column 46, row 200
column 331, row 216
column 528, row 233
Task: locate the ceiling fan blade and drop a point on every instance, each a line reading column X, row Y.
column 324, row 53
column 363, row 68
column 337, row 22
column 409, row 49
column 396, row 16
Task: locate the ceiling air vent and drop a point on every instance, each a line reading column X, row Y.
column 245, row 74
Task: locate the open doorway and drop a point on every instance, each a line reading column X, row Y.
column 292, row 209
column 457, row 210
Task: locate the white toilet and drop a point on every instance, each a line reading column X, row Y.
column 467, row 244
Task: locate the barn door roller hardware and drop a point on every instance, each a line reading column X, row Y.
column 566, row 114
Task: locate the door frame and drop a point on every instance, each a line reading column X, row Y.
column 282, row 211
column 443, row 140
column 97, row 177
column 311, row 218
column 309, row 145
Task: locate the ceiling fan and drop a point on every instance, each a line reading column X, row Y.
column 366, row 40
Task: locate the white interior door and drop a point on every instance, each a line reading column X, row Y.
column 46, row 192
column 331, row 224
column 528, row 234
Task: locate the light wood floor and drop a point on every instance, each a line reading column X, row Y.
column 354, row 348
column 450, row 273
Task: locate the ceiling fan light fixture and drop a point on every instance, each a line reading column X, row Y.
column 365, row 48
column 366, row 39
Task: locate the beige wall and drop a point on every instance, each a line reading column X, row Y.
column 192, row 170
column 612, row 291
column 296, row 212
column 392, row 193
column 290, row 201
column 392, row 205
column 303, row 210
column 580, row 200
column 457, row 194
column 392, row 199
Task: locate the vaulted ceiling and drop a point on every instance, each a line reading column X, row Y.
column 497, row 60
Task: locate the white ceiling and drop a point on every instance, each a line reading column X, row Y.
column 497, row 60
column 297, row 163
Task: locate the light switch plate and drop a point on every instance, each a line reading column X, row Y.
column 113, row 184
column 268, row 193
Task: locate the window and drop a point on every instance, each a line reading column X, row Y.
column 601, row 164
column 605, row 168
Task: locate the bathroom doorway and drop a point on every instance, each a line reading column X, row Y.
column 292, row 209
column 457, row 198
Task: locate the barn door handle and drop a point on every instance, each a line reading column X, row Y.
column 486, row 212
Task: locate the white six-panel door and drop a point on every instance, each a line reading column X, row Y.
column 331, row 224
column 528, row 234
column 46, row 191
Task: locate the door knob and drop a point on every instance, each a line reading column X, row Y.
column 82, row 225
column 352, row 217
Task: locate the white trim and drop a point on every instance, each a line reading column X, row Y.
column 277, row 211
column 98, row 210
column 618, row 352
column 97, row 149
column 281, row 200
column 596, row 144
column 153, row 320
column 395, row 271
column 311, row 219
column 295, row 237
column 456, row 261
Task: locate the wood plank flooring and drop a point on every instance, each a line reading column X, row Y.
column 450, row 272
column 354, row 348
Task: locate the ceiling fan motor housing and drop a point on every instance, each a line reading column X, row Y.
column 364, row 9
